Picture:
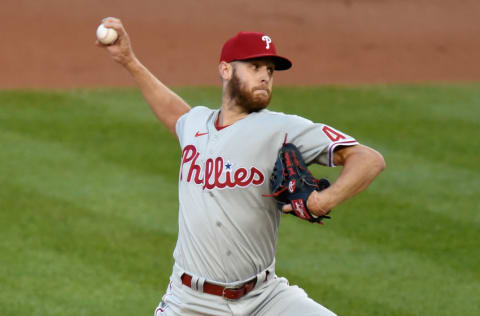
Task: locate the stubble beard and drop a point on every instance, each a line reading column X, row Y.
column 246, row 99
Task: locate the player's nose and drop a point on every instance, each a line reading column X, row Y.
column 264, row 74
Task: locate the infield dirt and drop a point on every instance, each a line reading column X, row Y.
column 50, row 44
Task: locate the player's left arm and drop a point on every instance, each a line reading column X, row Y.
column 361, row 165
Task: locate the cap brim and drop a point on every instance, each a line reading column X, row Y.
column 281, row 63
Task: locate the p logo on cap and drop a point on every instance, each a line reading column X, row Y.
column 267, row 40
column 249, row 45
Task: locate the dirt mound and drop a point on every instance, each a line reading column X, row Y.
column 50, row 44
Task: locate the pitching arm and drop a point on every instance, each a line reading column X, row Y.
column 165, row 104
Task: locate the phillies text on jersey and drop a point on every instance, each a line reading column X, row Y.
column 216, row 172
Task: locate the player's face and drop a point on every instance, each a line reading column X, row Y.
column 251, row 84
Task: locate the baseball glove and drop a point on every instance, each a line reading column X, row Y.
column 292, row 183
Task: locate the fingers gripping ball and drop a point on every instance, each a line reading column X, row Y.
column 106, row 36
column 292, row 183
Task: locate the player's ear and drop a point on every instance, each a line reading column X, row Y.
column 225, row 70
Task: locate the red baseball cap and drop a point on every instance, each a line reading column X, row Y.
column 248, row 45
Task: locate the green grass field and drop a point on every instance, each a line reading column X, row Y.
column 88, row 203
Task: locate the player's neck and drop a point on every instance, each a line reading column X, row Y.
column 230, row 112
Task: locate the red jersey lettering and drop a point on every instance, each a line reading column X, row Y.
column 214, row 173
column 332, row 134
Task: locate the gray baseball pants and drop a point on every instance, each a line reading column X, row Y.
column 272, row 296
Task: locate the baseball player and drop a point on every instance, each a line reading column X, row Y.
column 225, row 252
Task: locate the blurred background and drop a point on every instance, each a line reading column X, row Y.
column 50, row 43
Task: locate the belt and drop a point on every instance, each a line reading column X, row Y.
column 231, row 293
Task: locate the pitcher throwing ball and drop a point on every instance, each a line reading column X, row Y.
column 229, row 213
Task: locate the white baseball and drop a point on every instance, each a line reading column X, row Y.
column 106, row 35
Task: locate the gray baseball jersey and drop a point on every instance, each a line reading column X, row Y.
column 227, row 229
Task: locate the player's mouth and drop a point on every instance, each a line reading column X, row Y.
column 262, row 91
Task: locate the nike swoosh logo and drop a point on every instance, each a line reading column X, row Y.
column 200, row 134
